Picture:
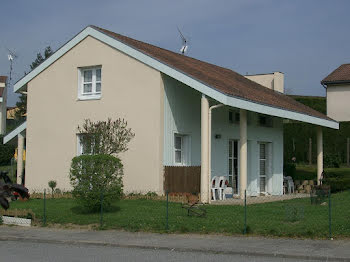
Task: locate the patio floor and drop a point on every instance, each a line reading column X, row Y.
column 259, row 199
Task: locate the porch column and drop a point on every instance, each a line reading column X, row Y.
column 319, row 154
column 204, row 150
column 20, row 139
column 243, row 152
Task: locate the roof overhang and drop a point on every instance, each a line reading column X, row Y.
column 176, row 74
column 15, row 132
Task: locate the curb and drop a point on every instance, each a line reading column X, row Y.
column 146, row 247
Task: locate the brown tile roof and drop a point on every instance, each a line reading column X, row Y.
column 339, row 75
column 222, row 79
column 3, row 79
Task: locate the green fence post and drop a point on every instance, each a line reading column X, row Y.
column 44, row 208
column 101, row 209
column 245, row 212
column 167, row 211
column 330, row 214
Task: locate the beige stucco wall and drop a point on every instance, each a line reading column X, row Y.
column 274, row 81
column 130, row 90
column 338, row 98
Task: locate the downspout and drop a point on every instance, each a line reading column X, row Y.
column 209, row 147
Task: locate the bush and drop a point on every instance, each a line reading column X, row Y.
column 332, row 160
column 337, row 181
column 289, row 169
column 92, row 175
column 6, row 153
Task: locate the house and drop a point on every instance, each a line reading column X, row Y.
column 337, row 86
column 3, row 101
column 184, row 112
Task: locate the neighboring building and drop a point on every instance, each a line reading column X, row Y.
column 3, row 102
column 337, row 86
column 167, row 99
column 274, row 81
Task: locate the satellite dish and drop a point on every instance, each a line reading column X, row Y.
column 184, row 47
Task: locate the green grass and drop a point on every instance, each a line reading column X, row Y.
column 10, row 170
column 292, row 218
column 306, row 172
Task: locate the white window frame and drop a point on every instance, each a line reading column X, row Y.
column 185, row 150
column 94, row 94
column 267, row 160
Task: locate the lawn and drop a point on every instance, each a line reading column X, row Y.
column 292, row 218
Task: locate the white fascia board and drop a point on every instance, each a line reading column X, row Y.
column 2, row 84
column 15, row 132
column 1, row 99
column 178, row 75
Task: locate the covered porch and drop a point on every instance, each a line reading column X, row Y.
column 255, row 155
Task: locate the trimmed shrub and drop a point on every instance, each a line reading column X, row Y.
column 6, row 153
column 93, row 175
column 337, row 181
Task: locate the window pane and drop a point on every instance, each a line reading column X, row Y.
column 87, row 88
column 262, row 151
column 262, row 168
column 262, row 184
column 88, row 76
column 230, row 149
column 178, row 142
column 98, row 75
column 178, row 156
column 98, row 87
column 230, row 166
column 235, row 149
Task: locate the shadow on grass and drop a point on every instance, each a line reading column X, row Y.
column 84, row 211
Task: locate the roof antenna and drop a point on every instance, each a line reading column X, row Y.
column 11, row 56
column 184, row 47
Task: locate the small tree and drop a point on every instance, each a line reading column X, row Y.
column 52, row 185
column 106, row 137
column 100, row 172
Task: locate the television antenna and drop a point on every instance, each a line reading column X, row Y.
column 11, row 56
column 184, row 47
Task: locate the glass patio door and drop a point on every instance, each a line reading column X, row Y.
column 233, row 165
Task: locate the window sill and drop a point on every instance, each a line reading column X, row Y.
column 92, row 97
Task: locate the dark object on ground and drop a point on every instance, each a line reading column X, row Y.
column 9, row 190
column 319, row 194
column 194, row 207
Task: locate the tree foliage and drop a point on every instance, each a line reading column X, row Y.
column 106, row 137
column 22, row 103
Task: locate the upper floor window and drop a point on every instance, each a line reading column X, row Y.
column 90, row 83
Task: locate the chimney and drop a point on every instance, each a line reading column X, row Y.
column 274, row 81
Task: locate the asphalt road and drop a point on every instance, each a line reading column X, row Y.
column 33, row 251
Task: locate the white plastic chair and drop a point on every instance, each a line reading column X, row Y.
column 290, row 184
column 221, row 188
column 215, row 186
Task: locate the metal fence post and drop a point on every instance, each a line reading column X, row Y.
column 245, row 212
column 44, row 208
column 167, row 211
column 101, row 209
column 330, row 214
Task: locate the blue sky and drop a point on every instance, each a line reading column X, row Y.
column 305, row 39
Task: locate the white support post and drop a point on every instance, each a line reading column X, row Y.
column 20, row 139
column 243, row 153
column 205, row 195
column 319, row 154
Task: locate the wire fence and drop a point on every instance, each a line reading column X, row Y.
column 320, row 214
